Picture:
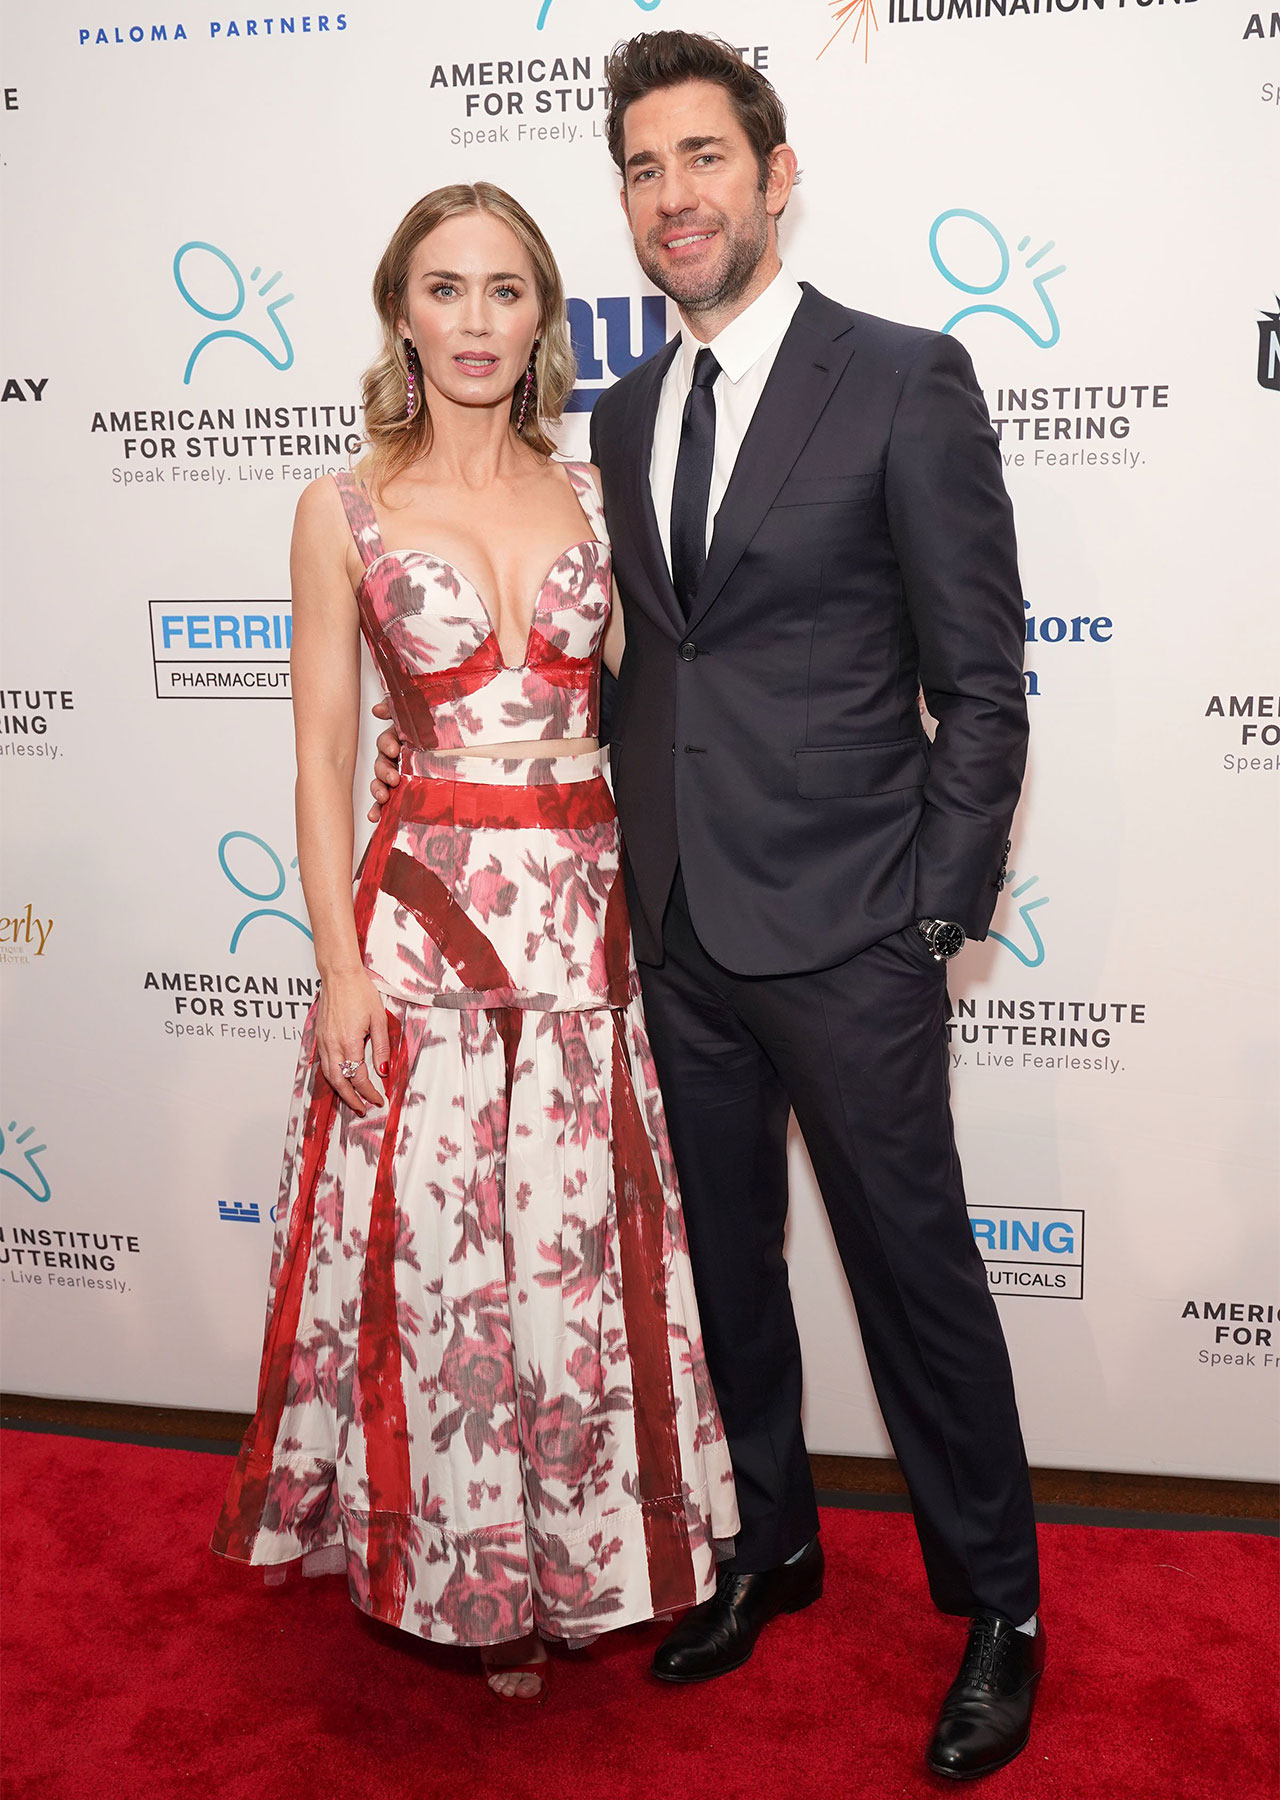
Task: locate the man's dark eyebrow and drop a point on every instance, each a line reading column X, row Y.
column 686, row 147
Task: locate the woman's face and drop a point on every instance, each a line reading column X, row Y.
column 471, row 308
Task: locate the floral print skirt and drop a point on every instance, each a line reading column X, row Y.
column 483, row 1385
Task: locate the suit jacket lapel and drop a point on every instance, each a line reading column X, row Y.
column 655, row 593
column 809, row 363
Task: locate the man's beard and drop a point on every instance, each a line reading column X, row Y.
column 710, row 290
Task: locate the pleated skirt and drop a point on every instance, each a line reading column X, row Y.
column 483, row 1389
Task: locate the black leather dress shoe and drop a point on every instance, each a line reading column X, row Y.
column 986, row 1717
column 720, row 1634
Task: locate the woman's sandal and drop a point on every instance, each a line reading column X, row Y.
column 542, row 1669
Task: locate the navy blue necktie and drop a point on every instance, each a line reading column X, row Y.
column 692, row 492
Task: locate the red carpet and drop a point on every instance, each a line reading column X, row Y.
column 136, row 1667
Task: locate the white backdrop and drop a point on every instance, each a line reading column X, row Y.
column 165, row 399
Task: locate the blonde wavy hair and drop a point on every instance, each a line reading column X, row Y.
column 396, row 440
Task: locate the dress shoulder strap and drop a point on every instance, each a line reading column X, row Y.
column 588, row 497
column 360, row 515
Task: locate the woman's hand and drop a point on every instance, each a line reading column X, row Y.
column 386, row 769
column 351, row 1011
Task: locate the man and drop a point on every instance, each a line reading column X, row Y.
column 809, row 524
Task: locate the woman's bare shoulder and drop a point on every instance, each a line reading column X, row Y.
column 319, row 517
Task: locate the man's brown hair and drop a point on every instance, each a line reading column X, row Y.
column 662, row 59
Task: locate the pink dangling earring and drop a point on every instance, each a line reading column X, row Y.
column 528, row 383
column 411, row 357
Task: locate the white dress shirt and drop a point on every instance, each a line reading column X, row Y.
column 745, row 350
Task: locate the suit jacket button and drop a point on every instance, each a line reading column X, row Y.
column 688, row 652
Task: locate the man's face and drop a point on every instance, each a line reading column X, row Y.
column 692, row 195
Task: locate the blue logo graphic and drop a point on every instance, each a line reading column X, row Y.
column 971, row 244
column 1036, row 1252
column 544, row 7
column 239, row 1212
column 618, row 315
column 221, row 650
column 272, row 891
column 18, row 1164
column 205, row 275
column 1022, row 1233
column 1033, row 956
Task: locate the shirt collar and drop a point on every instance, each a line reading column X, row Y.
column 745, row 339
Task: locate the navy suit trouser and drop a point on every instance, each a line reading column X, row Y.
column 860, row 1053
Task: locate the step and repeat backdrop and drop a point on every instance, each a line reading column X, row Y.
column 1081, row 190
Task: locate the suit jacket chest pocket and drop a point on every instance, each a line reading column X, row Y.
column 827, row 510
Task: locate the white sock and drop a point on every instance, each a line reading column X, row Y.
column 1030, row 1628
column 800, row 1552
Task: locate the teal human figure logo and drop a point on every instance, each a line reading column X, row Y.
column 203, row 273
column 1033, row 956
column 544, row 7
column 19, row 1165
column 1043, row 332
column 272, row 891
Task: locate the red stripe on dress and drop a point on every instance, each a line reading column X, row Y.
column 379, row 1374
column 554, row 667
column 473, row 805
column 617, row 941
column 242, row 1510
column 510, row 1023
column 641, row 1211
column 412, row 709
column 440, row 686
column 459, row 939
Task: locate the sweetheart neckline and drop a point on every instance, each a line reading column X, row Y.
column 432, row 556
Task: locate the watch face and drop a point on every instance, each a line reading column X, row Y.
column 947, row 939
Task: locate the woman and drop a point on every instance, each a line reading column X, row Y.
column 482, row 1384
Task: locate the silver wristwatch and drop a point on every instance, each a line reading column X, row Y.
column 943, row 937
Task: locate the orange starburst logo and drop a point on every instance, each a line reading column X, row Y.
column 862, row 15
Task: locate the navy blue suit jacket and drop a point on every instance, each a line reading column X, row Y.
column 772, row 743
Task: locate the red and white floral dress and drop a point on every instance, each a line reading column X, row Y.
column 483, row 1387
